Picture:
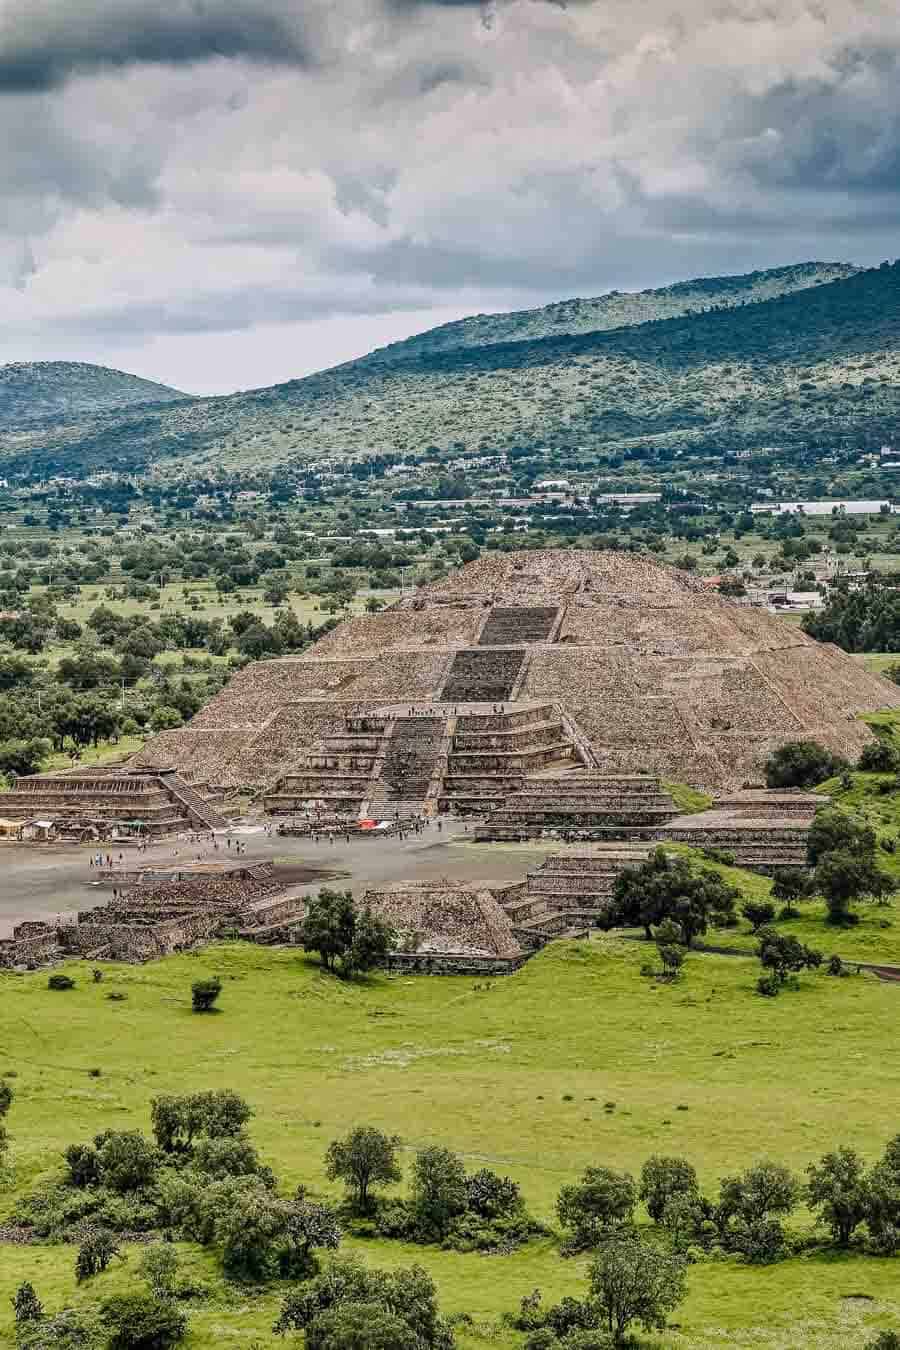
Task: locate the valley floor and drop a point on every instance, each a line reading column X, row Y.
column 576, row 1060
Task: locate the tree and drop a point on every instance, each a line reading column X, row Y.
column 438, row 1190
column 633, row 1281
column 782, row 956
column 758, row 913
column 360, row 1326
column 838, row 1189
column 789, row 885
column 27, row 1307
column 833, row 831
column 6, row 1097
column 126, row 1161
column 883, row 1212
column 23, row 758
column 143, row 1322
column 801, row 764
column 329, row 925
column 373, row 939
column 165, row 719
column 602, row 1201
column 749, row 1208
column 667, row 887
column 310, row 1227
column 159, row 1267
column 364, row 1157
column 205, row 994
column 97, row 1249
column 490, row 1196
column 177, row 1121
column 408, row 1294
column 845, row 877
column 336, row 929
column 669, row 945
column 664, row 1178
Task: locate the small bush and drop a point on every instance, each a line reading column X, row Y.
column 204, row 994
column 95, row 1253
column 768, row 986
column 60, row 982
column 143, row 1322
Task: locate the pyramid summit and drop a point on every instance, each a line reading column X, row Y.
column 521, row 664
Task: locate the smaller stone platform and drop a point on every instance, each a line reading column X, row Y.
column 582, row 806
column 447, row 928
column 119, row 799
column 764, row 830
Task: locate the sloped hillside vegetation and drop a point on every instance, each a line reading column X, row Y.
column 809, row 369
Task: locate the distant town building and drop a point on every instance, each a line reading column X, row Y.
column 823, row 508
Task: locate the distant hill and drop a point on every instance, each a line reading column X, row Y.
column 33, row 391
column 802, row 356
column 617, row 309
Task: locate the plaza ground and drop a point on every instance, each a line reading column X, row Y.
column 38, row 881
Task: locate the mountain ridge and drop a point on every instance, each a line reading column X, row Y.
column 819, row 359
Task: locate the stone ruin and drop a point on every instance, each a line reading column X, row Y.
column 519, row 664
column 447, row 928
column 167, row 917
column 582, row 806
column 763, row 831
column 118, row 800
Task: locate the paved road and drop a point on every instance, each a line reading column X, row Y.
column 38, row 881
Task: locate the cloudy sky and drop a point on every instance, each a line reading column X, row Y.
column 221, row 194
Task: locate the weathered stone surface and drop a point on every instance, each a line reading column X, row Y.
column 644, row 669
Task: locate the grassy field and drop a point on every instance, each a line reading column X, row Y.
column 576, row 1060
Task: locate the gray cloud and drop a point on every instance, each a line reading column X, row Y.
column 42, row 43
column 384, row 157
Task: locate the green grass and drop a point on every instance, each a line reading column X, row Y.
column 515, row 1076
column 106, row 753
column 688, row 800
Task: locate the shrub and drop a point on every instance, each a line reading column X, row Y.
column 879, row 757
column 143, row 1322
column 27, row 1307
column 758, row 913
column 801, row 764
column 60, row 982
column 204, row 994
column 96, row 1251
column 159, row 1267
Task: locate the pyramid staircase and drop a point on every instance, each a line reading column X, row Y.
column 482, row 675
column 590, row 805
column 200, row 812
column 464, row 761
column 568, row 893
column 336, row 776
column 507, row 626
column 492, row 755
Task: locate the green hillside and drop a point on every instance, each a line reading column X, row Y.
column 618, row 309
column 811, row 366
column 32, row 391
